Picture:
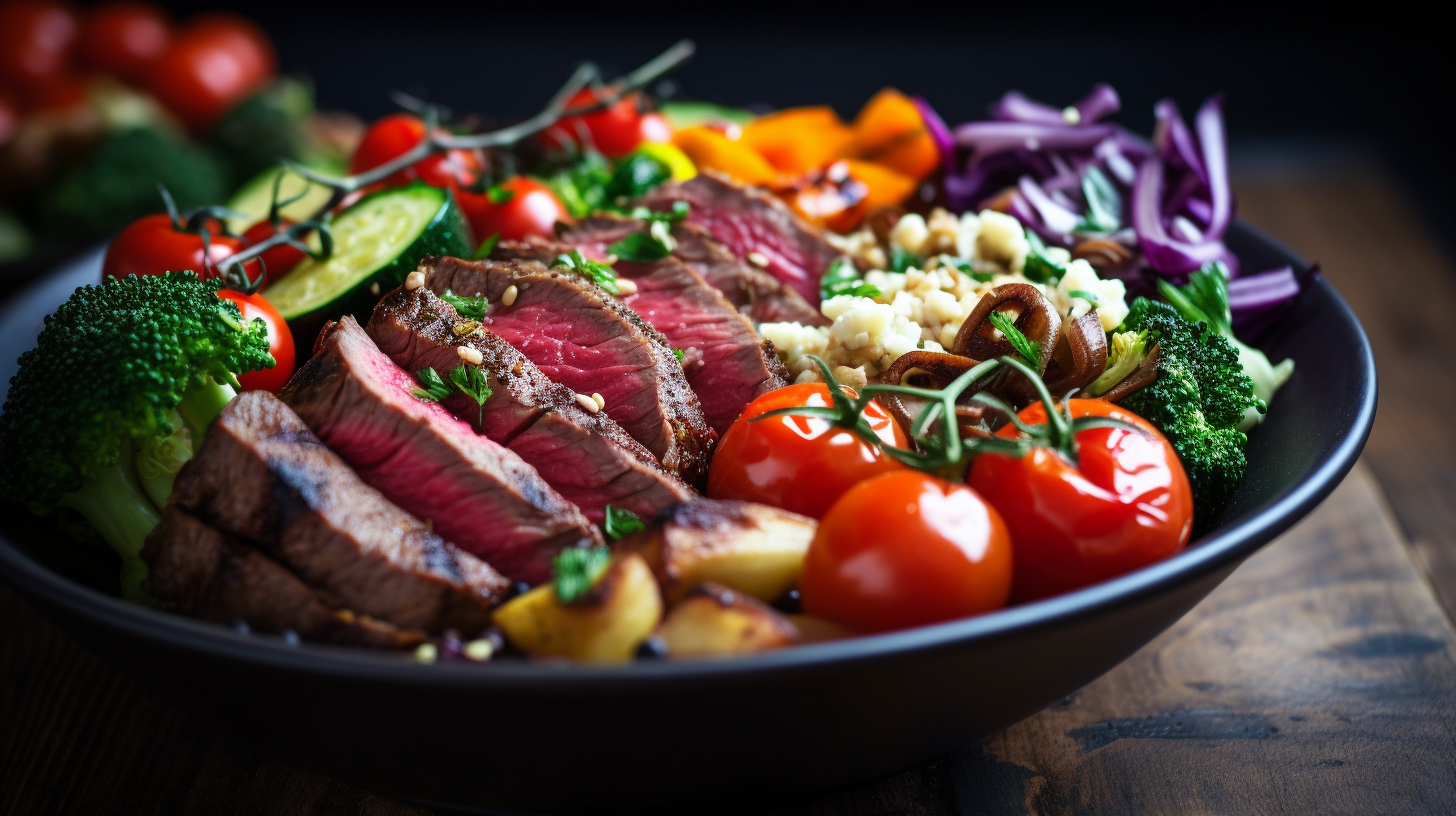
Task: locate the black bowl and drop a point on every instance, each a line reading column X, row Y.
column 663, row 736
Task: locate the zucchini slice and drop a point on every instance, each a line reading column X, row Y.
column 252, row 201
column 377, row 242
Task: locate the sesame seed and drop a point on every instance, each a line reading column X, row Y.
column 587, row 403
column 470, row 354
column 427, row 653
column 479, row 650
column 509, row 297
column 758, row 259
column 414, row 280
column 626, row 287
column 597, row 398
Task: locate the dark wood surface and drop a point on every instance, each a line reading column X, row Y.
column 1320, row 678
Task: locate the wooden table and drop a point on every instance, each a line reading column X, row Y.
column 1320, row 678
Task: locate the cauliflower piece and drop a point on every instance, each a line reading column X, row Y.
column 1002, row 240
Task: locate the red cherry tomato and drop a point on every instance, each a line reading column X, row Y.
column 9, row 116
column 394, row 135
column 279, row 260
column 532, row 209
column 211, row 65
column 614, row 131
column 36, row 40
column 1125, row 503
column 802, row 464
column 280, row 342
column 906, row 549
column 124, row 38
column 150, row 245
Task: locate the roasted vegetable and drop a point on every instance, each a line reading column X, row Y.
column 750, row 548
column 606, row 623
column 122, row 384
column 714, row 620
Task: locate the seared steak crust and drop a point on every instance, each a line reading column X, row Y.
column 477, row 494
column 586, row 457
column 585, row 339
column 726, row 362
column 213, row 576
column 262, row 476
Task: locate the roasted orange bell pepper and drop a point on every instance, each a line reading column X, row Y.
column 887, row 187
column 799, row 140
column 890, row 131
column 711, row 149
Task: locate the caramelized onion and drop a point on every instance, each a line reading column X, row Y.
column 933, row 370
column 1080, row 355
column 1032, row 313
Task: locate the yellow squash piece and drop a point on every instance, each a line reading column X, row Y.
column 607, row 624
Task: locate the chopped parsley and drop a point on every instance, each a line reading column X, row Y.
column 597, row 272
column 621, row 523
column 575, row 569
column 636, row 174
column 678, row 353
column 902, row 259
column 964, row 266
column 433, row 388
column 471, row 307
column 842, row 278
column 472, row 383
column 1027, row 349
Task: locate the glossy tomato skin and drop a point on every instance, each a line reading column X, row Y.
column 36, row 41
column 396, row 134
column 614, row 131
column 800, row 464
column 278, row 261
column 532, row 210
column 906, row 549
column 150, row 245
column 1125, row 504
column 124, row 39
column 280, row 342
column 211, row 65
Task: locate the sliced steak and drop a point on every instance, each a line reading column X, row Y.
column 586, row 457
column 753, row 224
column 214, row 576
column 726, row 362
column 262, row 476
column 585, row 339
column 477, row 494
column 760, row 296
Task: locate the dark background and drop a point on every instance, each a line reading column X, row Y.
column 1375, row 79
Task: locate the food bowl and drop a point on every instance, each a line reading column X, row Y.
column 518, row 736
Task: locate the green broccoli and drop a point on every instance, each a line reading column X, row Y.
column 263, row 129
column 117, row 184
column 1198, row 399
column 123, row 381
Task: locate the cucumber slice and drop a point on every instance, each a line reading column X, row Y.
column 377, row 242
column 686, row 114
column 253, row 199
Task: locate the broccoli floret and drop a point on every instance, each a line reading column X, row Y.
column 123, row 379
column 1197, row 401
column 117, row 184
column 264, row 128
column 1125, row 350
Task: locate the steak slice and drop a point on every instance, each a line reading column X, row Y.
column 585, row 339
column 477, row 494
column 758, row 295
column 214, row 576
column 749, row 220
column 262, row 476
column 726, row 362
column 586, row 457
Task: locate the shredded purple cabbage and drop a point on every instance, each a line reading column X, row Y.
column 1258, row 301
column 939, row 132
column 1169, row 201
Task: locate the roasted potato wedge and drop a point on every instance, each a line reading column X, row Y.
column 607, row 624
column 714, row 620
column 750, row 548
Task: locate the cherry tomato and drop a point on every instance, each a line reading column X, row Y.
column 212, row 64
column 124, row 38
column 614, row 131
column 279, row 260
column 1125, row 503
column 394, row 135
column 9, row 116
column 280, row 342
column 36, row 39
column 150, row 245
column 905, row 549
column 531, row 210
column 802, row 464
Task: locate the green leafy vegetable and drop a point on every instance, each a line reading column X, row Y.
column 842, row 278
column 679, row 211
column 644, row 247
column 471, row 307
column 1024, row 347
column 575, row 569
column 678, row 353
column 472, row 383
column 635, row 175
column 621, row 523
column 1090, row 297
column 1104, row 203
column 432, row 386
column 487, row 247
column 902, row 259
column 582, row 185
column 599, row 273
column 964, row 266
column 497, row 194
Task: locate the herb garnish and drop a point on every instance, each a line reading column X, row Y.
column 636, row 174
column 842, row 278
column 1090, row 297
column 497, row 194
column 471, row 307
column 434, row 388
column 678, row 353
column 1024, row 347
column 1104, row 203
column 621, row 523
column 472, row 383
column 599, row 273
column 902, row 259
column 575, row 569
column 487, row 247
column 965, row 268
